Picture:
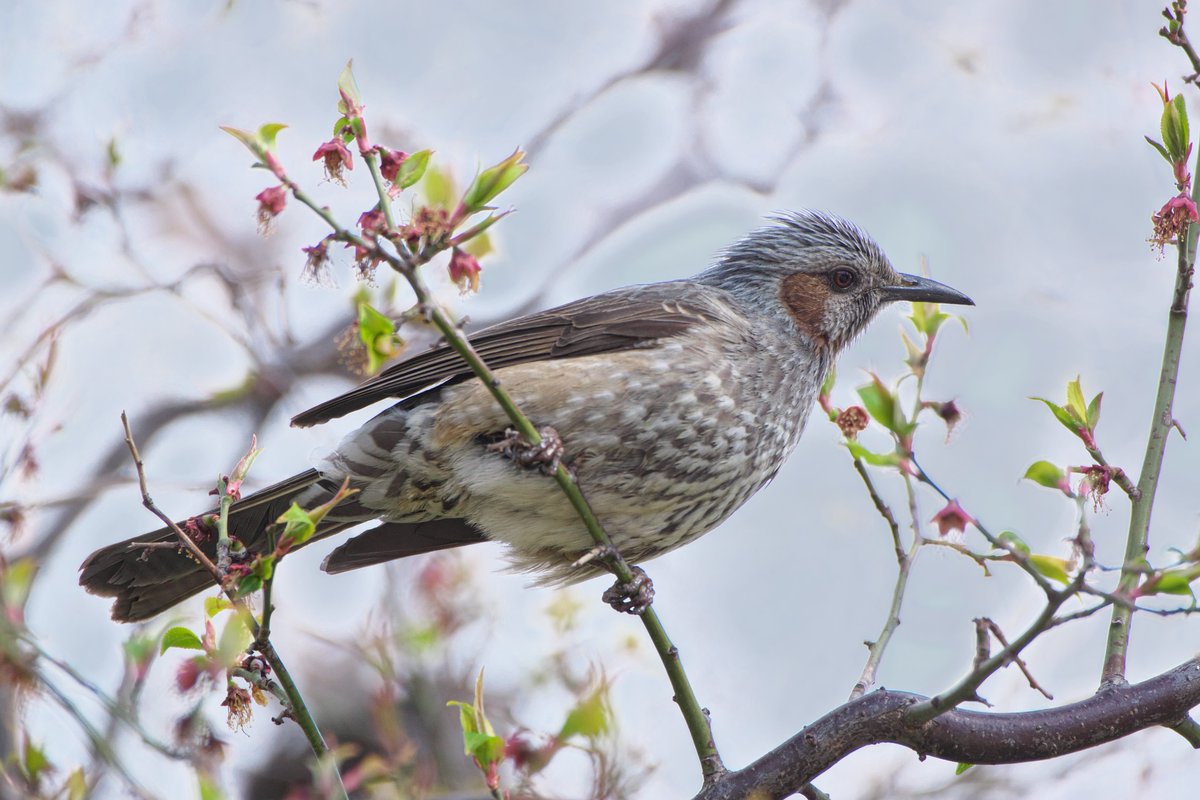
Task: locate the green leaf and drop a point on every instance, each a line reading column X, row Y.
column 209, row 789
column 413, row 168
column 139, row 647
column 857, row 451
column 879, row 402
column 1162, row 151
column 484, row 748
column 438, row 188
column 298, row 526
column 348, row 87
column 1014, row 541
column 215, row 605
column 1174, row 126
column 1062, row 415
column 1045, row 474
column 962, row 767
column 249, row 584
column 34, row 761
column 16, row 579
column 1075, row 404
column 589, row 717
column 180, row 637
column 1051, row 567
column 492, row 181
column 1173, row 581
column 268, row 132
column 235, row 638
column 466, row 720
column 378, row 335
column 246, row 138
column 77, row 785
column 928, row 317
column 1093, row 412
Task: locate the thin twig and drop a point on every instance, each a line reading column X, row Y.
column 989, row 625
column 904, row 560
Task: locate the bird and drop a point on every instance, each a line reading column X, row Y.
column 674, row 403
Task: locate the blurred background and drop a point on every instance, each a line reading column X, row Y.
column 998, row 142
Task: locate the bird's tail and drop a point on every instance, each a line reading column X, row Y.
column 146, row 575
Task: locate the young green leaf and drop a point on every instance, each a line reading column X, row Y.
column 962, row 767
column 348, row 88
column 857, row 451
column 1015, row 542
column 1045, row 474
column 298, row 526
column 589, row 717
column 413, row 168
column 1056, row 569
column 1162, row 151
column 881, row 404
column 33, row 761
column 492, row 181
column 180, row 637
column 1061, row 414
column 1093, row 412
column 1174, row 127
column 268, row 132
column 1075, row 402
column 215, row 605
column 378, row 335
column 235, row 638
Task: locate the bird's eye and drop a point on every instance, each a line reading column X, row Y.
column 842, row 279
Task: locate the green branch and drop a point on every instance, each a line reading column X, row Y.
column 1161, row 423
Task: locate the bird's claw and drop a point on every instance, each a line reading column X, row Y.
column 633, row 597
column 547, row 454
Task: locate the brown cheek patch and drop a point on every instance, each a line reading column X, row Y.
column 804, row 296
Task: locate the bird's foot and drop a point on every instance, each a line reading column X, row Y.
column 546, row 454
column 633, row 597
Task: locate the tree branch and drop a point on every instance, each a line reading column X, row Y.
column 964, row 736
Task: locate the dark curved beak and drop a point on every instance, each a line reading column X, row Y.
column 916, row 288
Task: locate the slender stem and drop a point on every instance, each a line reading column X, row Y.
column 1113, row 671
column 904, row 561
column 1189, row 729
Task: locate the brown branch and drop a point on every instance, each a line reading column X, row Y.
column 964, row 736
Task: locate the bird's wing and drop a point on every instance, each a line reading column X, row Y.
column 635, row 316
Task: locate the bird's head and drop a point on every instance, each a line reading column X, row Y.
column 821, row 272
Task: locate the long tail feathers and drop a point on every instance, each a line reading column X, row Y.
column 145, row 575
column 146, row 578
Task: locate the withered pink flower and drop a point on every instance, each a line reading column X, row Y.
column 1172, row 220
column 952, row 518
column 337, row 157
column 372, row 223
column 852, row 420
column 271, row 202
column 390, row 162
column 464, row 270
column 316, row 264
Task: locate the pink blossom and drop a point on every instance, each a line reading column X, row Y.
column 1172, row 220
column 337, row 156
column 271, row 202
column 952, row 518
column 390, row 162
column 464, row 270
